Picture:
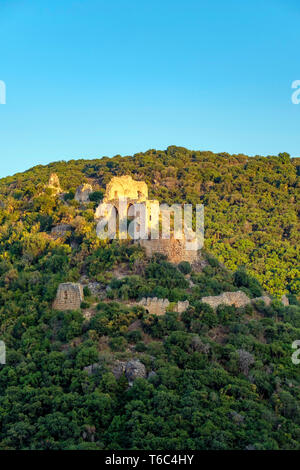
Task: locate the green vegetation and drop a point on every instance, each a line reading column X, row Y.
column 219, row 380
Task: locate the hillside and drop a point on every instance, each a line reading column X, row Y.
column 251, row 204
column 199, row 379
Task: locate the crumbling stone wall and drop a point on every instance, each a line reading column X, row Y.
column 267, row 300
column 125, row 186
column 69, row 296
column 238, row 299
column 182, row 306
column 83, row 192
column 174, row 249
column 157, row 306
column 154, row 305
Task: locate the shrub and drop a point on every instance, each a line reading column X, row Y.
column 243, row 279
column 213, row 262
column 134, row 336
column 86, row 291
column 84, row 305
column 118, row 344
column 70, row 195
column 96, row 196
column 185, row 267
column 140, row 347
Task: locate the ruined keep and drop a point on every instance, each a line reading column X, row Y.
column 121, row 187
column 69, row 296
column 54, row 183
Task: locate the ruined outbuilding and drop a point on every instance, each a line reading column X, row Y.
column 69, row 296
column 156, row 306
column 83, row 193
column 237, row 299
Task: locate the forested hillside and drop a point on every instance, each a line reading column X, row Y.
column 251, row 204
column 219, row 379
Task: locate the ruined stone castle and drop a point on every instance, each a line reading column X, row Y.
column 136, row 192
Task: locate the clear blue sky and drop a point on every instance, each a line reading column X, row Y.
column 91, row 78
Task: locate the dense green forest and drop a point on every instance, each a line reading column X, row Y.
column 214, row 379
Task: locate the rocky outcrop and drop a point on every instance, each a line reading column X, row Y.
column 92, row 369
column 198, row 345
column 119, row 369
column 96, row 288
column 69, row 296
column 285, row 300
column 237, row 299
column 246, row 359
column 135, row 369
column 83, row 193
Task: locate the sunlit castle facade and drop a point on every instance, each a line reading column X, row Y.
column 127, row 213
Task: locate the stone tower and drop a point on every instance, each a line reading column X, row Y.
column 54, row 183
column 69, row 296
